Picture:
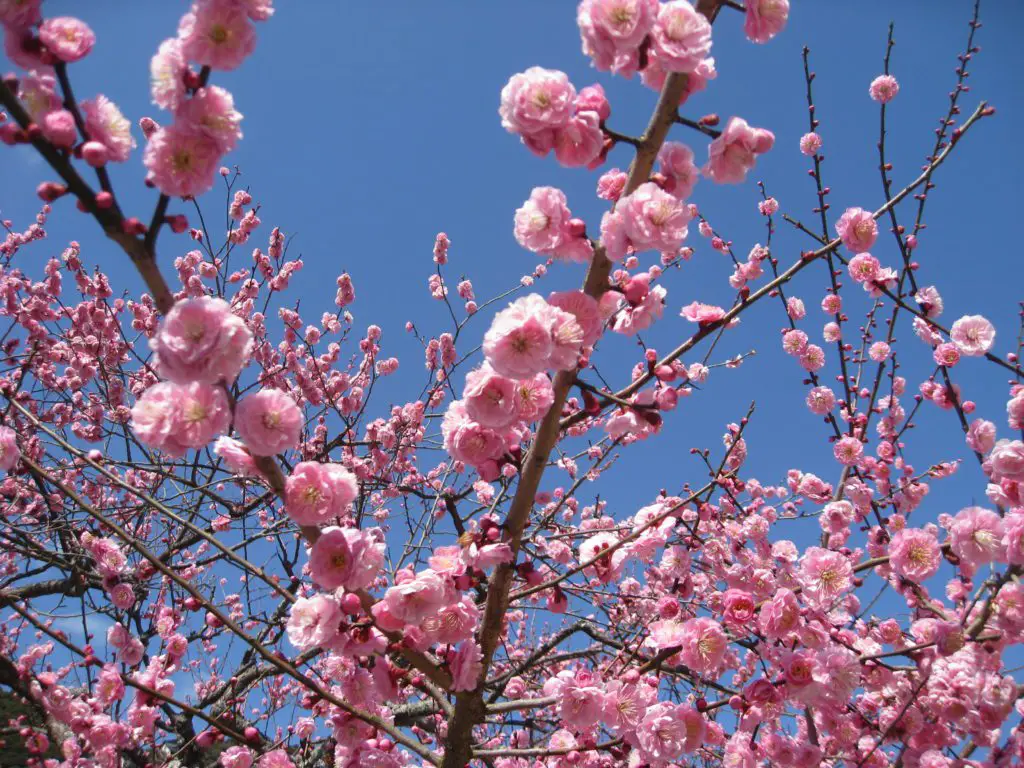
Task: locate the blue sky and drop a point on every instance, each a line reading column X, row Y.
column 368, row 132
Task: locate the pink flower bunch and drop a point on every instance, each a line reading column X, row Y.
column 316, row 493
column 637, row 306
column 183, row 158
column 541, row 107
column 545, row 225
column 735, row 152
column 347, row 557
column 613, row 30
column 202, row 340
column 531, row 336
column 681, row 37
column 647, row 219
column 176, row 418
column 313, row 621
column 667, row 731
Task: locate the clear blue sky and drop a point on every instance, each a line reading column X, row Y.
column 370, row 127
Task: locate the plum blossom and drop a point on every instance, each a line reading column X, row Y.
column 106, row 125
column 647, row 219
column 182, row 160
column 67, row 38
column 269, row 422
column 681, row 36
column 825, row 575
column 346, row 557
column 976, row 537
column 9, row 453
column 316, row 493
column 202, row 340
column 734, row 153
column 313, row 621
column 858, row 229
column 973, row 335
column 765, row 19
column 914, row 554
column 175, row 418
column 216, row 35
column 884, row 88
column 612, row 31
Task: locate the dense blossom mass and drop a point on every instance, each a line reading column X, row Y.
column 291, row 574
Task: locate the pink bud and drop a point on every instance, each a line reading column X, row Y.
column 95, row 154
column 351, row 604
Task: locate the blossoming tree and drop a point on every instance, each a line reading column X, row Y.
column 296, row 575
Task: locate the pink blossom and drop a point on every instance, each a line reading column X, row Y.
column 848, row 450
column 9, row 453
column 580, row 141
column 534, row 104
column 268, row 422
column 346, row 557
column 703, row 314
column 648, row 218
column 236, row 757
column 531, row 335
column 825, row 575
column 1007, row 461
column 981, row 436
column 542, row 223
column 59, row 128
column 174, row 418
column 533, row 397
column 182, row 161
column 580, row 697
column 235, row 456
column 412, row 601
column 313, row 621
column 582, row 307
column 973, row 335
column 202, row 340
column 106, row 124
column 976, row 537
column 1015, row 410
column 211, row 112
column 738, row 609
column 668, row 730
column 675, row 161
column 316, row 493
column 612, row 31
column 605, row 567
column 466, row 665
column 216, row 35
column 821, row 400
column 765, row 19
column 704, row 644
column 467, row 440
column 276, row 758
column 611, row 184
column 914, row 554
column 67, row 38
column 884, row 88
column 812, row 358
column 946, row 354
column 858, row 229
column 681, row 36
column 19, row 14
column 167, row 71
column 453, row 623
column 780, row 615
column 1013, row 537
column 734, row 153
column 490, row 398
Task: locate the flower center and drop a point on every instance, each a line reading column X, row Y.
column 195, row 412
column 272, row 420
column 542, row 99
column 219, row 34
